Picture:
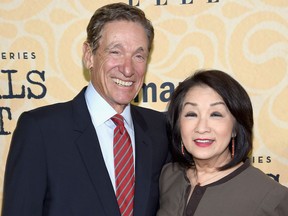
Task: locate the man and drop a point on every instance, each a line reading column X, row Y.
column 61, row 160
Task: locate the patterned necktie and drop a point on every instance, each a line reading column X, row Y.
column 124, row 167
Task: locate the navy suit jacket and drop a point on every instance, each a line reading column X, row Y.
column 55, row 166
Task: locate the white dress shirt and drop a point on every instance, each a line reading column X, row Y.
column 101, row 113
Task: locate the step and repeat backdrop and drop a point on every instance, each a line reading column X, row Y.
column 41, row 52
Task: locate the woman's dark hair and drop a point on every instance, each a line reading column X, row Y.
column 116, row 12
column 235, row 98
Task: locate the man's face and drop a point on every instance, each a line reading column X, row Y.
column 120, row 63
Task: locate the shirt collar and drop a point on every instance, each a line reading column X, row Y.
column 100, row 110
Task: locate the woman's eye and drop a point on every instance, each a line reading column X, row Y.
column 190, row 114
column 216, row 114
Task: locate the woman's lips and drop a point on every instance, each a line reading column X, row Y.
column 203, row 142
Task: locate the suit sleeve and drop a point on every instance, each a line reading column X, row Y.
column 25, row 175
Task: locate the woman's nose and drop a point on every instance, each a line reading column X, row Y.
column 202, row 126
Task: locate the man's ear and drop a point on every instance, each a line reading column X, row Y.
column 87, row 55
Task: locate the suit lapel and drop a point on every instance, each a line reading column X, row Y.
column 143, row 164
column 91, row 154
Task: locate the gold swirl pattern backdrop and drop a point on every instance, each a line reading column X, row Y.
column 41, row 45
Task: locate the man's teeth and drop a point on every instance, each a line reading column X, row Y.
column 122, row 83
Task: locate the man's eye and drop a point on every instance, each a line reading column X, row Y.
column 140, row 57
column 114, row 52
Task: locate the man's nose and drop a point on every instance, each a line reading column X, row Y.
column 127, row 67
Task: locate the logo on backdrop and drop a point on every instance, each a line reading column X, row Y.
column 166, row 2
column 261, row 160
column 152, row 93
column 33, row 82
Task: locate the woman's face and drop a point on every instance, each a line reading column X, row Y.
column 206, row 125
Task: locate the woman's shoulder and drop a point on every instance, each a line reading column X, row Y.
column 172, row 169
column 173, row 187
column 258, row 181
column 275, row 195
column 260, row 177
column 172, row 174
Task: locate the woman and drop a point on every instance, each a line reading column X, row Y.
column 210, row 119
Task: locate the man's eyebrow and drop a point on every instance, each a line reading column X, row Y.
column 140, row 49
column 113, row 45
column 118, row 45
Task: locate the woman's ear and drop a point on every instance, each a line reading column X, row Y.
column 87, row 55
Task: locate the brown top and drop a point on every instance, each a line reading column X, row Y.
column 246, row 191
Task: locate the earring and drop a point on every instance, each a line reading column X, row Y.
column 182, row 148
column 233, row 147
